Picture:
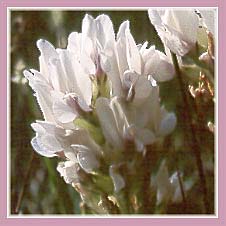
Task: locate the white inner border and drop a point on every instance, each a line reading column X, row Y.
column 9, row 215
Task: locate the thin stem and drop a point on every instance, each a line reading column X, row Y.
column 24, row 185
column 194, row 143
column 182, row 190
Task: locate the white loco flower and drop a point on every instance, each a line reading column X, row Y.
column 58, row 84
column 75, row 145
column 47, row 141
column 168, row 187
column 141, row 124
column 136, row 65
column 64, row 88
column 179, row 30
column 117, row 179
column 90, row 45
column 68, row 170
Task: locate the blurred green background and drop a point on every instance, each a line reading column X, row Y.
column 36, row 187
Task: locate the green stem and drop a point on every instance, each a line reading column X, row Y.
column 25, row 183
column 182, row 191
column 194, row 143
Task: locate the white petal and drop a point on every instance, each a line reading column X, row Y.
column 118, row 181
column 143, row 47
column 104, row 30
column 164, row 188
column 177, row 196
column 38, row 128
column 130, row 77
column 142, row 86
column 108, row 123
column 48, row 127
column 185, row 22
column 74, row 42
column 82, row 137
column 50, row 142
column 67, row 59
column 63, row 112
column 176, row 28
column 176, row 43
column 122, row 28
column 111, row 68
column 88, row 26
column 86, row 57
column 43, row 96
column 105, row 63
column 58, row 77
column 84, row 84
column 68, row 170
column 142, row 89
column 121, row 56
column 132, row 52
column 41, row 149
column 86, row 158
column 47, row 51
column 71, row 154
column 121, row 48
column 122, row 114
column 150, row 110
column 164, row 70
column 167, row 124
column 209, row 19
column 155, row 18
column 149, row 58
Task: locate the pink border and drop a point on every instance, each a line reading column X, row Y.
column 221, row 220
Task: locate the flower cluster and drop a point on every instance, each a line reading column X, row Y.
column 101, row 106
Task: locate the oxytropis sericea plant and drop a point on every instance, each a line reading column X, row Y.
column 102, row 111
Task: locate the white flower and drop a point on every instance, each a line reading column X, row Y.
column 139, row 59
column 47, row 139
column 78, row 156
column 142, row 124
column 118, row 180
column 168, row 187
column 76, row 145
column 176, row 28
column 179, row 30
column 208, row 19
column 68, row 170
column 63, row 86
column 61, row 77
column 135, row 64
column 90, row 45
column 86, row 157
column 50, row 140
column 164, row 187
column 64, row 91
